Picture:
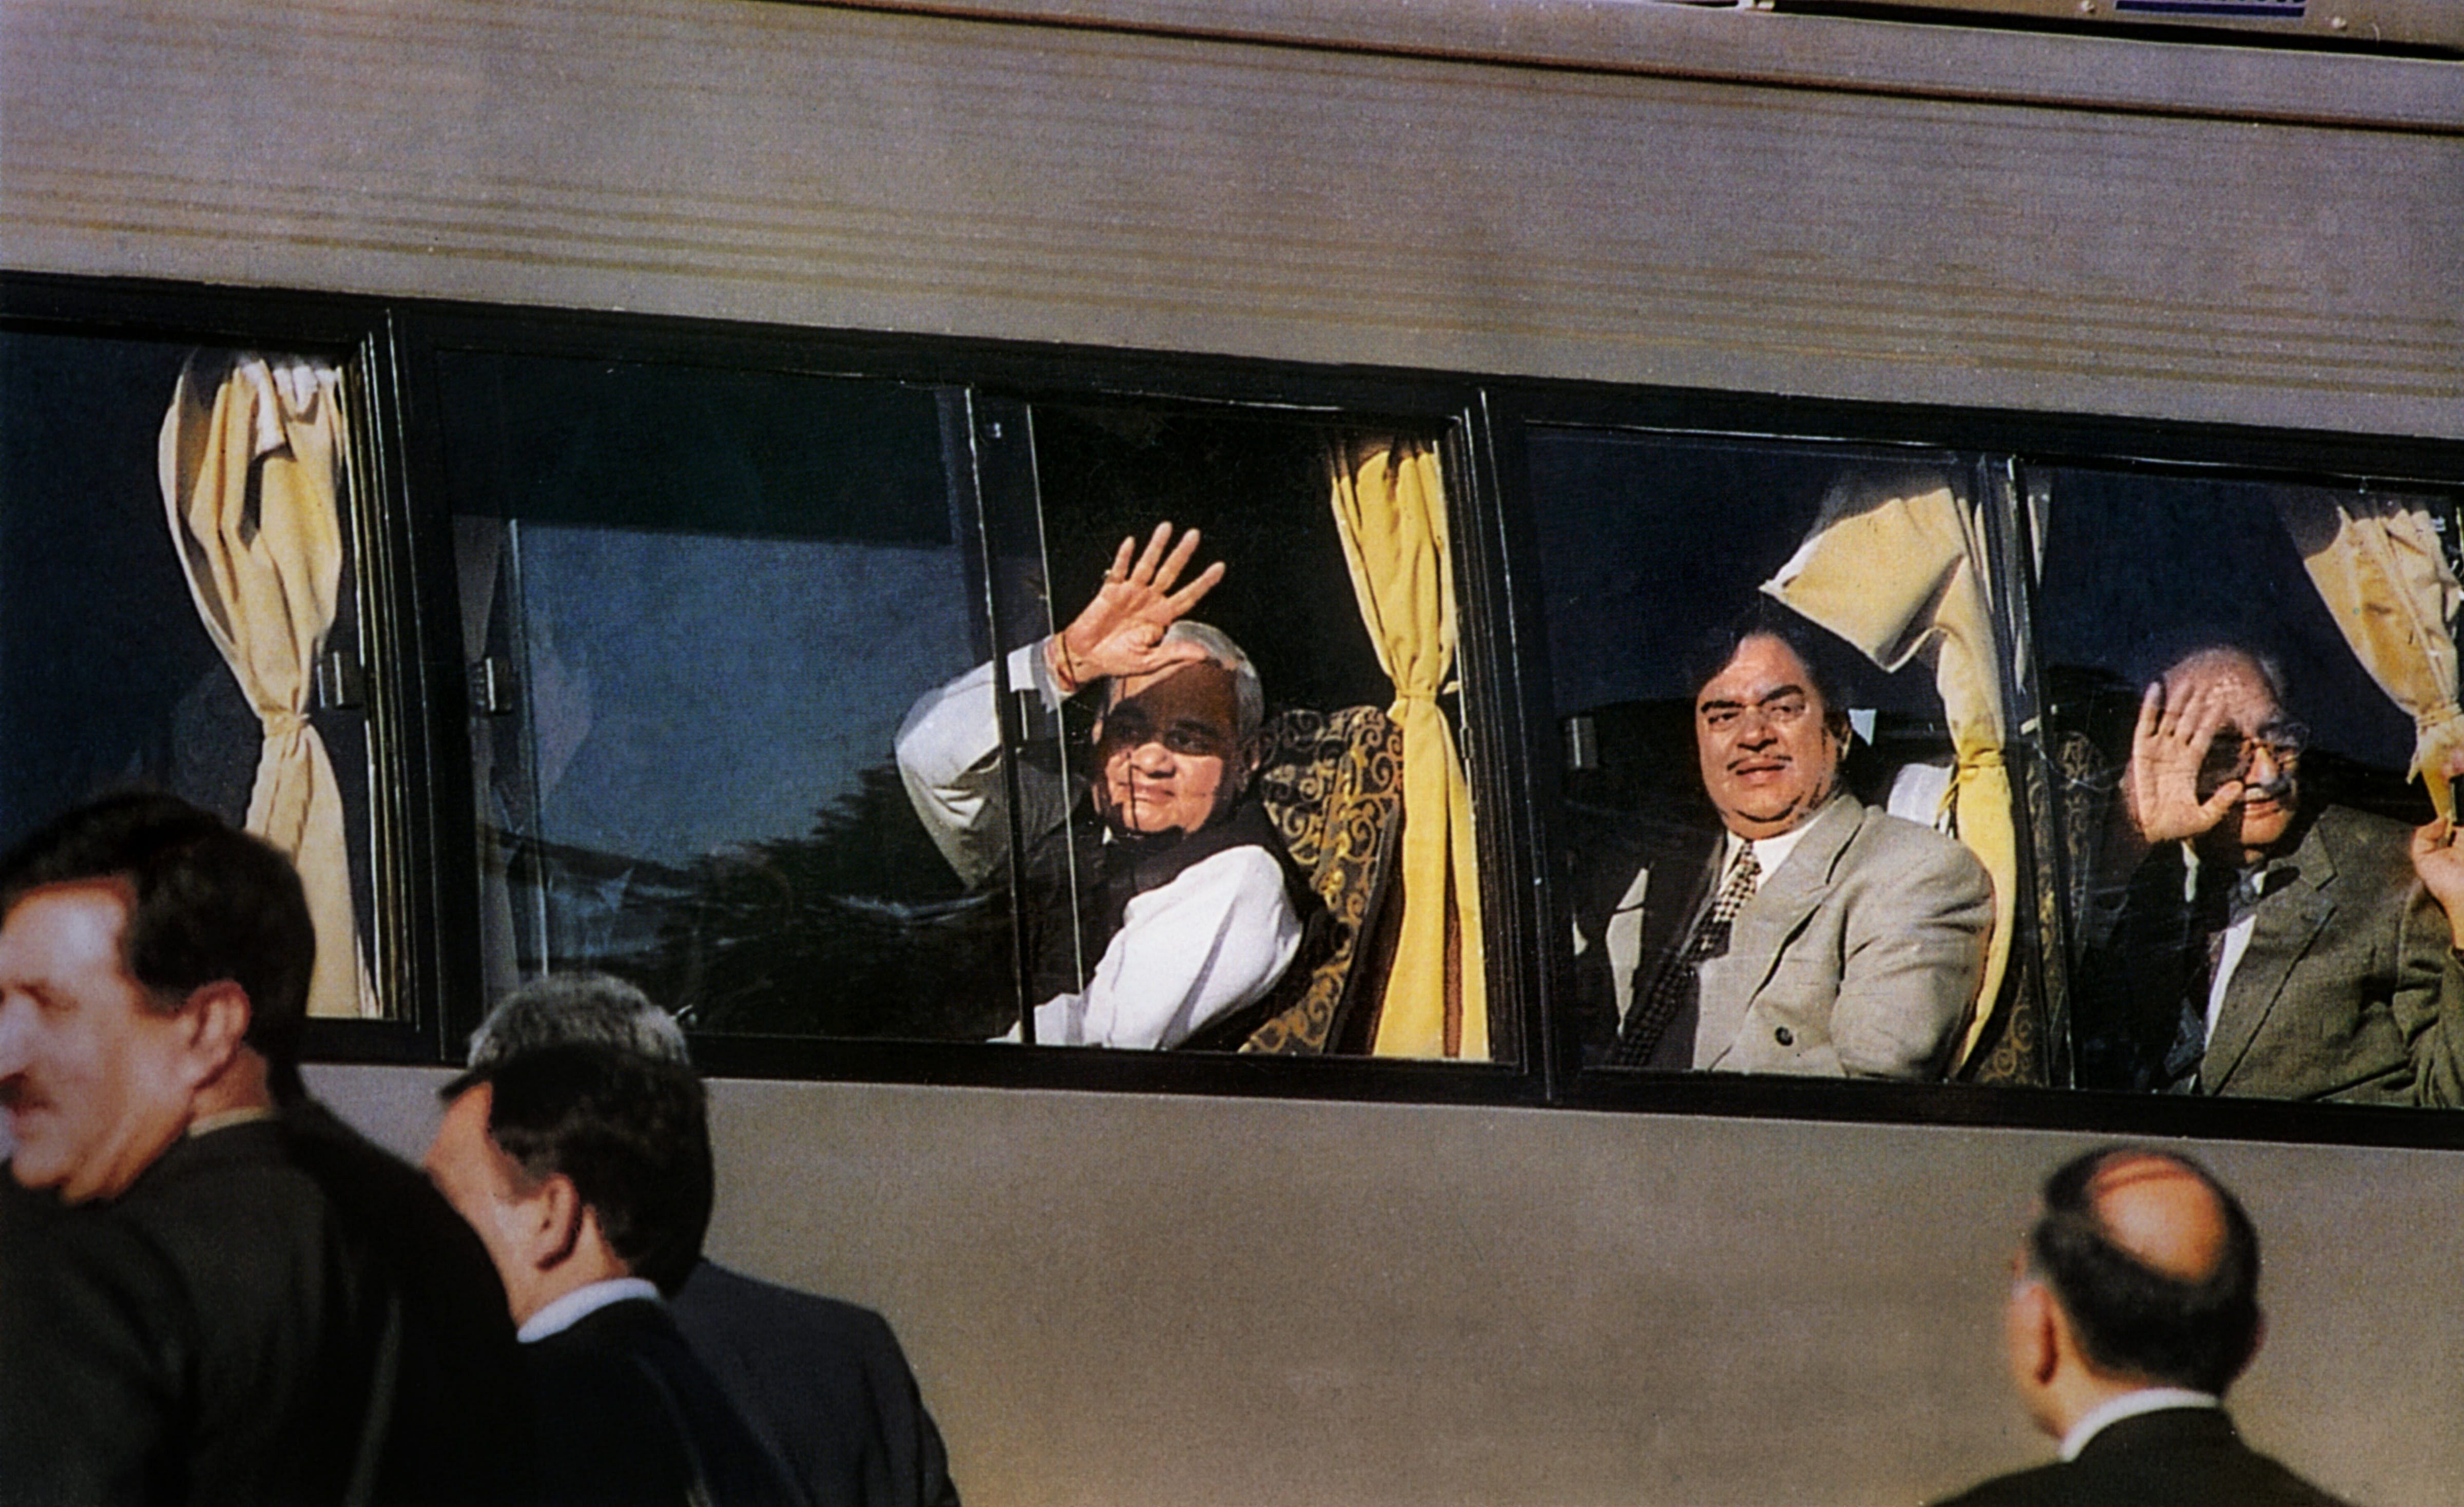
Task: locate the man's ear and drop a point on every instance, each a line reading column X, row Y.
column 217, row 1016
column 551, row 1228
column 2038, row 1332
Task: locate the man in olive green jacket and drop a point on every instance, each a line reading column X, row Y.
column 2265, row 944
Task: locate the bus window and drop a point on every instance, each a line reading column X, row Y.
column 696, row 604
column 1312, row 793
column 2243, row 904
column 178, row 606
column 739, row 642
column 1746, row 643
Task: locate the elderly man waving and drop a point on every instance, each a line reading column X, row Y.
column 1183, row 901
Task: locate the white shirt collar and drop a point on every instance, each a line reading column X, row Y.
column 1769, row 853
column 2131, row 1405
column 581, row 1302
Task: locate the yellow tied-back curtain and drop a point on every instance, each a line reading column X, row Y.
column 1390, row 506
column 1894, row 565
column 249, row 477
column 2378, row 565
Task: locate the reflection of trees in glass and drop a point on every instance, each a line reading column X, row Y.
column 859, row 929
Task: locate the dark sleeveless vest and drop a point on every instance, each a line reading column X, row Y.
column 1109, row 874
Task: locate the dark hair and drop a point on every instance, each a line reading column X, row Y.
column 1765, row 618
column 2131, row 1318
column 633, row 1134
column 207, row 903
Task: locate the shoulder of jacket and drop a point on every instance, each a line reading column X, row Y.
column 1883, row 837
column 2351, row 830
column 2367, row 852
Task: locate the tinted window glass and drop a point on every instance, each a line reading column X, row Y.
column 2243, row 911
column 697, row 603
column 1694, row 704
column 108, row 675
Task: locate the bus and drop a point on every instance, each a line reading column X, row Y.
column 680, row 388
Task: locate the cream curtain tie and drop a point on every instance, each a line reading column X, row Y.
column 2438, row 736
column 1964, row 772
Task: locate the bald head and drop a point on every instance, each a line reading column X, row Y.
column 2160, row 1213
column 2155, row 1264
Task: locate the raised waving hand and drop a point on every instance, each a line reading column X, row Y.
column 2169, row 750
column 1120, row 632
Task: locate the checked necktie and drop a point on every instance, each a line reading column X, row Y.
column 1675, row 987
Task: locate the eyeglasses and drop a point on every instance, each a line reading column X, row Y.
column 2231, row 757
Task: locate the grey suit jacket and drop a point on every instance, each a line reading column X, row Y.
column 1858, row 957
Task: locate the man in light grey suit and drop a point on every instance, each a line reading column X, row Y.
column 2254, row 939
column 1823, row 936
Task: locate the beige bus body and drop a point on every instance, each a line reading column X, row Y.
column 1189, row 1301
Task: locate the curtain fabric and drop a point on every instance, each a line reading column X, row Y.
column 1894, row 565
column 1390, row 507
column 2378, row 564
column 249, row 486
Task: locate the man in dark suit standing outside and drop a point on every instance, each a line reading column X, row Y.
column 586, row 1173
column 825, row 1384
column 2136, row 1305
column 210, row 1291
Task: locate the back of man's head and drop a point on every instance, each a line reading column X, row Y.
column 2155, row 1263
column 206, row 903
column 560, row 1009
column 631, row 1133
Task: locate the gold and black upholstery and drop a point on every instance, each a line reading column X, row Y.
column 1333, row 783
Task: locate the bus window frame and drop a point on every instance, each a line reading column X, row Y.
column 2007, row 447
column 353, row 333
column 419, row 693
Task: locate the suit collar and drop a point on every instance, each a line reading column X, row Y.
column 1800, row 879
column 1782, row 905
column 2131, row 1404
column 2161, row 1428
column 1770, row 854
column 580, row 1303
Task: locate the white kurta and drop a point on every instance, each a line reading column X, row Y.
column 1215, row 937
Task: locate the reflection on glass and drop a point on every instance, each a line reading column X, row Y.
column 1739, row 641
column 696, row 604
column 2236, row 817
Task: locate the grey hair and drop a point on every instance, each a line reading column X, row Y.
column 563, row 1008
column 1248, row 694
column 2160, row 657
